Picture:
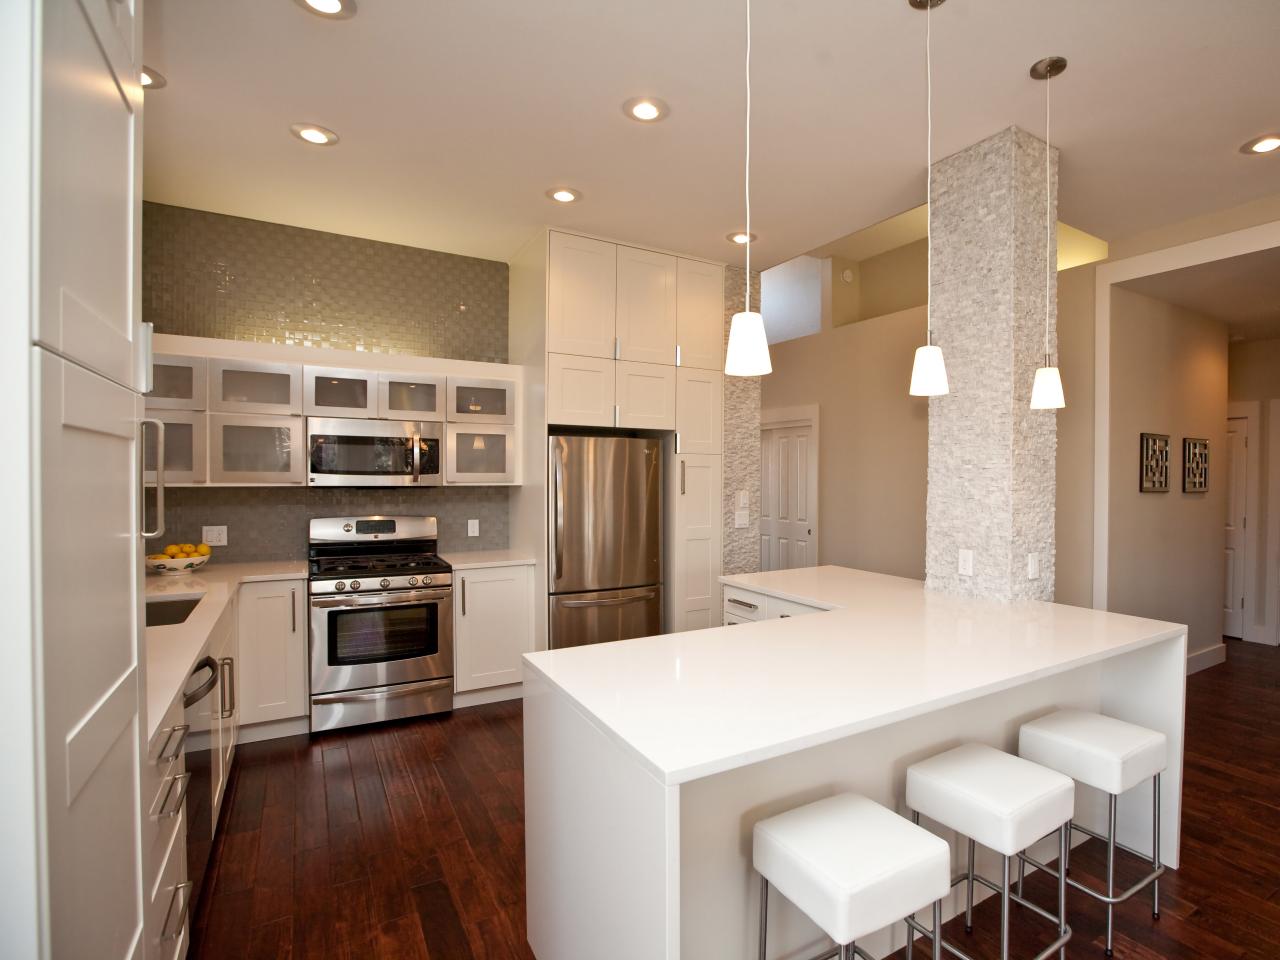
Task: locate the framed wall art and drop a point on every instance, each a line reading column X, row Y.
column 1153, row 463
column 1195, row 465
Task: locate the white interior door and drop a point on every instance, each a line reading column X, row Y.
column 789, row 497
column 1237, row 497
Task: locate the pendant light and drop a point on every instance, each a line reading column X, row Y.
column 748, row 352
column 929, row 371
column 1046, row 390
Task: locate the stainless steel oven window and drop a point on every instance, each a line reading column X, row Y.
column 383, row 634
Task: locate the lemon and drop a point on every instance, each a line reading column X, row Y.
column 204, row 550
column 188, row 548
column 172, row 550
column 157, row 556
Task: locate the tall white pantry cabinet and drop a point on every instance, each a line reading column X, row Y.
column 70, row 694
column 618, row 337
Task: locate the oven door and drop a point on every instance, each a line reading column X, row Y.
column 373, row 453
column 376, row 639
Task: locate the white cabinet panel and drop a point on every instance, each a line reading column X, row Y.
column 252, row 449
column 88, row 208
column 411, row 396
column 178, row 383
column 493, row 625
column 332, row 392
column 255, row 386
column 778, row 609
column 646, row 395
column 186, row 446
column 582, row 283
column 693, row 541
column 700, row 314
column 579, row 390
column 273, row 651
column 646, row 314
column 699, row 411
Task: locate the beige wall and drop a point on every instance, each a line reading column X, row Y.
column 1074, row 517
column 1168, row 375
column 873, row 442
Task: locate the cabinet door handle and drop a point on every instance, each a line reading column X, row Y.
column 167, row 753
column 743, row 603
column 617, row 347
column 181, row 890
column 167, row 812
column 228, row 688
column 682, row 463
column 677, row 354
column 558, row 533
column 293, row 610
column 464, row 596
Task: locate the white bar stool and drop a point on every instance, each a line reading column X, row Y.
column 853, row 867
column 1004, row 803
column 1114, row 757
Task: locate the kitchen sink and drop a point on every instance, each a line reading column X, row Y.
column 165, row 613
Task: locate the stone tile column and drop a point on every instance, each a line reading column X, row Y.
column 992, row 458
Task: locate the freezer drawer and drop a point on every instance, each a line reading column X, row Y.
column 578, row 619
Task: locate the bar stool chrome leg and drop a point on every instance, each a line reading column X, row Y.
column 1155, row 846
column 1004, row 908
column 847, row 952
column 764, row 913
column 1064, row 844
column 968, row 893
column 1111, row 867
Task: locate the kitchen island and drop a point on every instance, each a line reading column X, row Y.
column 648, row 761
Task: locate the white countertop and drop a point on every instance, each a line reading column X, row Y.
column 472, row 559
column 173, row 650
column 694, row 704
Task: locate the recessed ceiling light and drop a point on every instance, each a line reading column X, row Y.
column 152, row 79
column 314, row 134
column 564, row 195
column 741, row 237
column 645, row 109
column 329, row 9
column 1264, row 144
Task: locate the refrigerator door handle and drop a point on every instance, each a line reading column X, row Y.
column 559, row 520
column 610, row 601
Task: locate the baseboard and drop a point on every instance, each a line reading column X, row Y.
column 274, row 729
column 1204, row 659
column 476, row 698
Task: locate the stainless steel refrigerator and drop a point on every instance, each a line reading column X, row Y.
column 605, row 547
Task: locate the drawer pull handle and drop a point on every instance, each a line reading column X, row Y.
column 166, row 812
column 744, row 603
column 168, row 753
column 181, row 890
column 783, row 616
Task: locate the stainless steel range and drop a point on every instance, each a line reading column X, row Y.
column 381, row 621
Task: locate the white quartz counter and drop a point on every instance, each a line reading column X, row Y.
column 173, row 650
column 694, row 704
column 473, row 559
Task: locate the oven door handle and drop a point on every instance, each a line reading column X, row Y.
column 407, row 691
column 417, row 457
column 365, row 602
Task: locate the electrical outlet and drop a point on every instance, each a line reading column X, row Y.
column 744, row 501
column 214, row 536
column 1033, row 566
column 966, row 563
column 741, row 518
column 473, row 528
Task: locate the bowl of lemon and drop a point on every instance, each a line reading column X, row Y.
column 178, row 559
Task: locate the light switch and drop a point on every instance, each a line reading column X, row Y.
column 214, row 536
column 741, row 518
column 744, row 501
column 473, row 528
column 966, row 563
column 1033, row 566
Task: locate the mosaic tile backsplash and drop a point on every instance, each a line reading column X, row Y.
column 270, row 523
column 209, row 275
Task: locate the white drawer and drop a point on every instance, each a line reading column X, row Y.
column 743, row 604
column 776, row 608
column 168, row 904
column 164, row 783
column 732, row 620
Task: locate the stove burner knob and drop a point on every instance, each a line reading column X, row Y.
column 339, row 586
column 426, row 581
column 384, row 583
column 413, row 581
column 347, row 528
column 355, row 584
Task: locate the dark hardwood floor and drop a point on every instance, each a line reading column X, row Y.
column 406, row 841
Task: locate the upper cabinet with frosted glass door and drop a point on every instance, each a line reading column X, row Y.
column 178, row 383
column 333, row 392
column 255, row 386
column 250, row 448
column 474, row 400
column 411, row 396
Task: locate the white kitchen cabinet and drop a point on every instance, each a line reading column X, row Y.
column 743, row 604
column 777, row 608
column 256, row 449
column 692, row 542
column 699, row 411
column 255, row 386
column 645, row 394
column 582, row 284
column 411, row 396
column 186, row 447
column 646, row 310
column 272, row 635
column 165, row 782
column 700, row 314
column 480, row 454
column 579, row 390
column 224, row 730
column 492, row 625
column 178, row 383
column 478, row 400
column 334, row 392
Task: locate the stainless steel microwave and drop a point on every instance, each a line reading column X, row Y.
column 373, row 453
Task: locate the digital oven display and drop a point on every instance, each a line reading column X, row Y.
column 375, row 526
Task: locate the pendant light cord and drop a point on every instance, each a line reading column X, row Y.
column 1048, row 218
column 928, row 200
column 746, row 297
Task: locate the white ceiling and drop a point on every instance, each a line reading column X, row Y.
column 457, row 115
column 1243, row 291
